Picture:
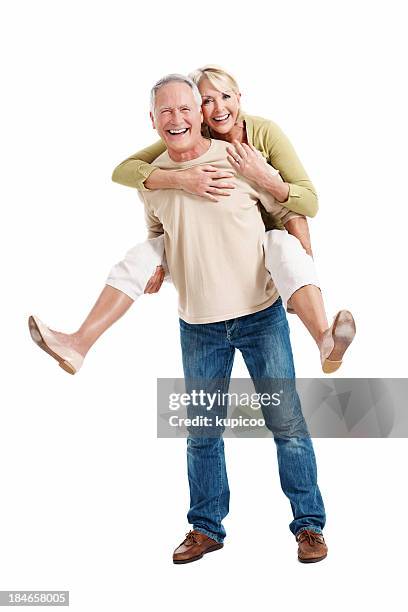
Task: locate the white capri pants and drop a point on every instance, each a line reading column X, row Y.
column 286, row 260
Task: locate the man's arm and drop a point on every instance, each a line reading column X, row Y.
column 154, row 225
column 299, row 228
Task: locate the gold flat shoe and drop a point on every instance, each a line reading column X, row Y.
column 68, row 359
column 336, row 341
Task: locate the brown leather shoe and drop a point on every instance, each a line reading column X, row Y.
column 312, row 546
column 195, row 545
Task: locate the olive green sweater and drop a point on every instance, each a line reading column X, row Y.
column 264, row 135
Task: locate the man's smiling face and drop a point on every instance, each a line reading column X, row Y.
column 177, row 117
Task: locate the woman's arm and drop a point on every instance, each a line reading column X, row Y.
column 248, row 162
column 302, row 196
column 294, row 223
column 297, row 191
column 137, row 171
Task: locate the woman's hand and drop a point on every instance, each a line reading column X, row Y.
column 206, row 181
column 248, row 161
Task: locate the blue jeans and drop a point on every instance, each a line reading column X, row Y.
column 208, row 354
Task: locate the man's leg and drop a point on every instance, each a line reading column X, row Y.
column 207, row 361
column 263, row 339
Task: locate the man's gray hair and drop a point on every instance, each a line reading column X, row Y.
column 174, row 78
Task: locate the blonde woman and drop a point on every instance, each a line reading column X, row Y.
column 262, row 154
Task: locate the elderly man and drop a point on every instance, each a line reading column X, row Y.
column 227, row 301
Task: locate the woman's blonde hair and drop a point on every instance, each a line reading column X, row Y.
column 219, row 78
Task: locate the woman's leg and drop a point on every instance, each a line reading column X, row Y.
column 307, row 303
column 139, row 272
column 111, row 304
column 294, row 274
column 109, row 307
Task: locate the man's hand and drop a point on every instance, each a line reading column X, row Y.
column 205, row 181
column 299, row 227
column 155, row 282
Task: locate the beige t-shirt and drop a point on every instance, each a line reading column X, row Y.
column 214, row 250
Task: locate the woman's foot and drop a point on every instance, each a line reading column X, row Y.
column 64, row 348
column 336, row 341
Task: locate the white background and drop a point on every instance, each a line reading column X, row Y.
column 91, row 501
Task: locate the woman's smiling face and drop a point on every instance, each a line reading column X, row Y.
column 220, row 108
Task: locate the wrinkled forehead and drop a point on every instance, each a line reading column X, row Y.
column 173, row 95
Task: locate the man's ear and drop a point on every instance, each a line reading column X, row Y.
column 152, row 120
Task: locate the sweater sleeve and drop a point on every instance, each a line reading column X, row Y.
column 134, row 170
column 279, row 212
column 281, row 155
